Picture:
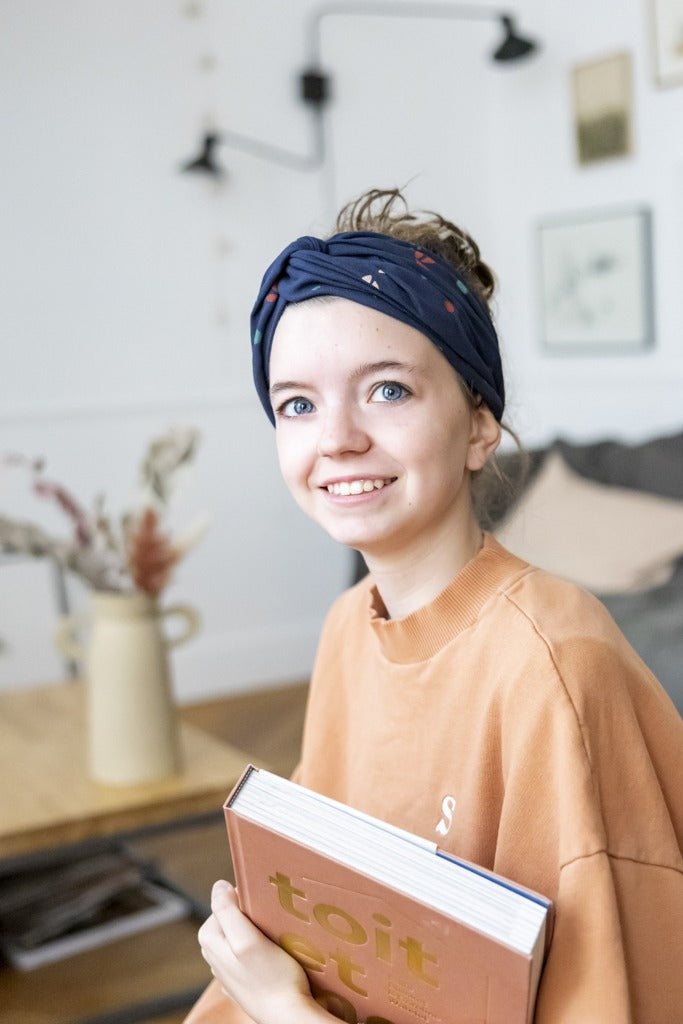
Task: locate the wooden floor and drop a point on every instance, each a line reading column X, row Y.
column 267, row 725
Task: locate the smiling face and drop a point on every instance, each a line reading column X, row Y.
column 375, row 435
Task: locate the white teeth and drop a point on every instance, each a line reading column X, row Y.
column 346, row 487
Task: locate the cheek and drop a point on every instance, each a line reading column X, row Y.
column 439, row 458
column 436, row 444
column 292, row 458
column 284, row 459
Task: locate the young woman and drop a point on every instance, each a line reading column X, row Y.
column 458, row 692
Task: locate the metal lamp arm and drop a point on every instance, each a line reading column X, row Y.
column 314, row 82
column 392, row 10
column 275, row 154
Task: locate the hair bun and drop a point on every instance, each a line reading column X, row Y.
column 386, row 212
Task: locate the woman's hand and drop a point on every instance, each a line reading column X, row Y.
column 269, row 985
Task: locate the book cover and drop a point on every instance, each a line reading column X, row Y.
column 360, row 905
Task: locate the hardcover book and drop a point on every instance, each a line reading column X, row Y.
column 389, row 929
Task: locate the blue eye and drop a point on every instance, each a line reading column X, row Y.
column 296, row 407
column 389, row 391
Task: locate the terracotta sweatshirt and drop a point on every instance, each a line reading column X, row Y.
column 511, row 722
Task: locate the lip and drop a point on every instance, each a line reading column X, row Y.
column 349, row 479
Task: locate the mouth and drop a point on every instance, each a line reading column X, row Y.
column 362, row 485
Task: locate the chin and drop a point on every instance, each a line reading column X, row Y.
column 357, row 538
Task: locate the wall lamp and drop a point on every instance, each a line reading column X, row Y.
column 314, row 83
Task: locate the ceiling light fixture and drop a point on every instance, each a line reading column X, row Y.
column 314, row 83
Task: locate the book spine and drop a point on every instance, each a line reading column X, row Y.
column 238, row 860
column 240, row 784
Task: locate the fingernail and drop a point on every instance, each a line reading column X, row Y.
column 220, row 888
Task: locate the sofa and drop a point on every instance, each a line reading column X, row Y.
column 609, row 515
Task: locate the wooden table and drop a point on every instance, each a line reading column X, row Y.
column 47, row 798
column 115, row 983
column 52, row 811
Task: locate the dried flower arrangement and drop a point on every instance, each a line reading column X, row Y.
column 137, row 553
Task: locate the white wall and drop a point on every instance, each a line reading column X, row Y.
column 127, row 286
column 538, row 176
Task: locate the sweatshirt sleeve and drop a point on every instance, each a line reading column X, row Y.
column 213, row 1007
column 595, row 784
column 615, row 954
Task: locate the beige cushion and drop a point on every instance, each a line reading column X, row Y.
column 608, row 539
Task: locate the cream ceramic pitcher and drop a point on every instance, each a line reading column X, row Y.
column 132, row 723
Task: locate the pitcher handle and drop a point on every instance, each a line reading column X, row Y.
column 65, row 636
column 192, row 623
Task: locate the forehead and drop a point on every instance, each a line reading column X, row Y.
column 341, row 331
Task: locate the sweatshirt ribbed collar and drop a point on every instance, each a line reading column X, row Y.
column 424, row 632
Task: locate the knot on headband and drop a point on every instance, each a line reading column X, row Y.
column 394, row 277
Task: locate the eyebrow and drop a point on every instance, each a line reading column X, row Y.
column 364, row 370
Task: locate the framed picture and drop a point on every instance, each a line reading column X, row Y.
column 603, row 101
column 596, row 282
column 667, row 38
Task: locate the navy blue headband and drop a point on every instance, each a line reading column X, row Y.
column 394, row 277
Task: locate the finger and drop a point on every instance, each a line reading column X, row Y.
column 221, row 894
column 242, row 936
column 210, row 935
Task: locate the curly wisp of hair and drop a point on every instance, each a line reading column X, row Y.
column 386, row 212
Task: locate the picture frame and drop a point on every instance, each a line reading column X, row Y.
column 596, row 284
column 602, row 94
column 667, row 41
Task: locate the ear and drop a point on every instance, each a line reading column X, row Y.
column 485, row 437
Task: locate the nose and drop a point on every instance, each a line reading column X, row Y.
column 342, row 431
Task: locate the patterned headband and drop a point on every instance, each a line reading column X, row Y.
column 394, row 277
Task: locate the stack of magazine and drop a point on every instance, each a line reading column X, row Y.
column 56, row 912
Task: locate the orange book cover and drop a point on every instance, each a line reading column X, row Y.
column 372, row 952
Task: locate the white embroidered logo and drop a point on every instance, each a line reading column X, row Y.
column 447, row 807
